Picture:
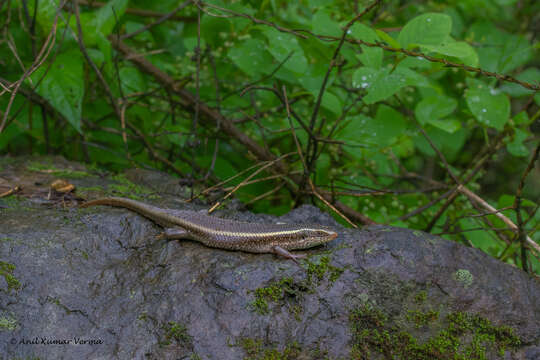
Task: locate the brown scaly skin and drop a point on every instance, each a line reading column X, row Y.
column 227, row 234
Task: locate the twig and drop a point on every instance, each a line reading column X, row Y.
column 158, row 21
column 473, row 197
column 243, row 183
column 138, row 12
column 42, row 56
column 253, row 19
column 299, row 150
column 517, row 205
column 312, row 145
column 211, row 116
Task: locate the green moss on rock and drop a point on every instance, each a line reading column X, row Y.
column 289, row 292
column 464, row 277
column 6, row 270
column 461, row 336
column 255, row 350
column 7, row 323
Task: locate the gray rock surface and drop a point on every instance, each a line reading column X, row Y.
column 99, row 275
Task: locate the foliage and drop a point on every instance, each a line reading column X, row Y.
column 416, row 96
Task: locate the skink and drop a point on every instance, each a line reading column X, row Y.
column 227, row 234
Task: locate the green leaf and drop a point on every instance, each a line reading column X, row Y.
column 132, row 80
column 317, row 3
column 457, row 49
column 251, row 57
column 488, row 106
column 389, row 125
column 380, row 131
column 381, row 84
column 45, row 14
column 331, row 103
column 404, row 146
column 413, row 78
column 433, row 108
column 63, row 85
column 364, row 77
column 132, row 26
column 479, row 238
column 108, row 15
column 516, row 147
column 371, row 57
column 450, row 125
column 322, row 24
column 522, row 118
column 450, row 144
column 10, row 133
column 506, row 200
column 384, row 86
column 388, row 39
column 426, row 29
column 356, row 131
column 282, row 45
column 531, row 75
column 498, row 50
column 323, row 168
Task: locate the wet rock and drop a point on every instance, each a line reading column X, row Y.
column 96, row 283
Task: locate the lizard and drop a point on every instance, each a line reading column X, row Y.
column 227, row 234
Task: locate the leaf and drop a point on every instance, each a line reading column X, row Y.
column 331, row 103
column 63, row 85
column 522, row 118
column 479, row 238
column 108, row 15
column 426, row 29
column 449, row 125
column 46, row 12
column 404, row 146
column 364, row 77
column 381, row 84
column 281, row 45
column 457, row 49
column 388, row 39
column 382, row 130
column 132, row 80
column 9, row 133
column 516, row 147
column 389, row 125
column 371, row 57
column 413, row 78
column 356, row 133
column 251, row 57
column 498, row 50
column 433, row 108
column 323, row 168
column 322, row 24
column 384, row 86
column 489, row 107
column 530, row 75
column 450, row 144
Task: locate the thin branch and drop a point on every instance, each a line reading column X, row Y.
column 253, row 19
column 243, row 183
column 299, row 150
column 210, row 116
column 42, row 56
column 472, row 196
column 138, row 12
column 517, row 205
column 161, row 20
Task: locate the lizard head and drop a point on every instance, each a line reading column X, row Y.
column 310, row 237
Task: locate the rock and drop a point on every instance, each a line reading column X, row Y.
column 95, row 283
